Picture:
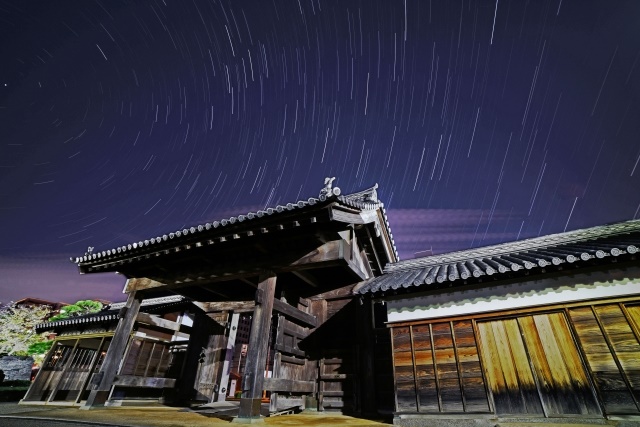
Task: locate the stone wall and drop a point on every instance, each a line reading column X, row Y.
column 16, row 367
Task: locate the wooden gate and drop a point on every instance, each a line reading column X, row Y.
column 65, row 374
column 76, row 372
column 533, row 367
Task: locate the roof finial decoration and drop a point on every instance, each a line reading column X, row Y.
column 329, row 190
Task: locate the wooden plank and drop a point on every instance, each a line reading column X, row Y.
column 335, row 377
column 294, row 315
column 435, row 367
column 289, row 385
column 273, row 399
column 148, row 382
column 343, row 292
column 610, row 322
column 527, row 385
column 459, row 368
column 566, row 351
column 504, row 360
column 141, row 284
column 292, row 360
column 159, row 322
column 235, row 306
column 328, row 252
column 290, row 350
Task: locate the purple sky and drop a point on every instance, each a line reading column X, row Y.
column 482, row 121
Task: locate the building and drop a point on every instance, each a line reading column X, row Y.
column 542, row 328
column 152, row 361
column 292, row 267
column 308, row 304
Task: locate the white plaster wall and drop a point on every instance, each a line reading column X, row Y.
column 531, row 293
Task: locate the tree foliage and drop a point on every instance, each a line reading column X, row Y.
column 39, row 348
column 79, row 308
column 17, row 328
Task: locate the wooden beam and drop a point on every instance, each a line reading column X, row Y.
column 248, row 282
column 159, row 322
column 331, row 251
column 253, row 379
column 306, row 277
column 235, row 306
column 104, row 378
column 291, row 386
column 373, row 250
column 289, row 350
column 355, row 268
column 294, row 315
column 292, row 360
column 344, row 292
column 359, row 218
column 141, row 284
column 149, row 382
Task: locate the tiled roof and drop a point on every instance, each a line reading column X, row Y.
column 619, row 240
column 363, row 200
column 111, row 313
column 103, row 316
column 160, row 301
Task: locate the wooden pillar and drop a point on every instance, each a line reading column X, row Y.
column 228, row 358
column 104, row 379
column 253, row 379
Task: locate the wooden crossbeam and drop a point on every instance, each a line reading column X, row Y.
column 294, row 315
column 158, row 322
column 141, row 284
column 291, row 386
column 235, row 306
column 149, row 382
column 306, row 277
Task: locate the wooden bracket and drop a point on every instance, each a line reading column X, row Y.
column 259, row 296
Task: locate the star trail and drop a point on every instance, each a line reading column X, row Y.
column 481, row 121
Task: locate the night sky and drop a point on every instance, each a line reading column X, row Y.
column 481, row 121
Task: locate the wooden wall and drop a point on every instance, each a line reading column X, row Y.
column 437, row 368
column 579, row 359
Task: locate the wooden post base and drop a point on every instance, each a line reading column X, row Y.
column 97, row 398
column 310, row 404
column 249, row 411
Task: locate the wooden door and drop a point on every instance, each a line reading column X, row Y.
column 50, row 372
column 77, row 370
column 533, row 367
